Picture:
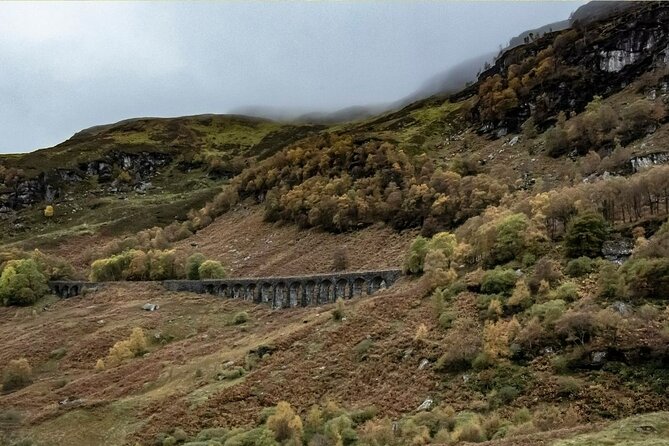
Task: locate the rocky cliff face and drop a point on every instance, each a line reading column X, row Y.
column 48, row 186
column 598, row 58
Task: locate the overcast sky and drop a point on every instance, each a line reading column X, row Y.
column 68, row 66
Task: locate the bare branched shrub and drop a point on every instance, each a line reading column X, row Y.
column 340, row 259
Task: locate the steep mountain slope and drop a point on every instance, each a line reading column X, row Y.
column 165, row 165
column 534, row 307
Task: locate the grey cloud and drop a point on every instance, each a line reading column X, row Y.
column 67, row 66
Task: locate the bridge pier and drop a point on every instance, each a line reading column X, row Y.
column 66, row 289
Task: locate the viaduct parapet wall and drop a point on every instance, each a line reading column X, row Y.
column 279, row 292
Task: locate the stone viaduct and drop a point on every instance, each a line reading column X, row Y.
column 279, row 292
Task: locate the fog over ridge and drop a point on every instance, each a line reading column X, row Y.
column 67, row 66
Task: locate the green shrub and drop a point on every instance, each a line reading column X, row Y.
column 610, row 281
column 285, row 423
column 193, row 263
column 510, row 241
column 546, row 418
column 437, row 300
column 241, row 317
column 453, row 290
column 502, row 396
column 637, row 117
column 10, row 417
column 211, row 269
column 265, row 413
column 441, row 244
column 260, row 436
column 560, row 364
column 180, row 435
column 362, row 348
column 235, row 373
column 416, row 256
column 567, row 292
column 648, row 312
column 55, row 268
column 528, row 260
column 446, row 319
column 439, row 418
column 444, row 242
column 112, row 268
column 17, row 374
column 212, row 442
column 135, row 345
column 549, row 312
column 482, row 361
column 22, row 282
column 379, row 432
column 521, row 297
column 522, row 415
column 483, row 301
column 361, row 415
column 462, row 344
column 465, row 165
column 585, row 235
column 470, row 432
column 556, row 140
column 139, row 265
column 340, row 429
column 58, row 353
column 568, row 386
column 162, row 265
column 492, row 424
column 214, row 433
column 499, row 281
column 135, row 264
column 580, row 267
column 647, row 278
column 339, row 310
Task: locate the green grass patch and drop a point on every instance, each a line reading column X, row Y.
column 643, row 430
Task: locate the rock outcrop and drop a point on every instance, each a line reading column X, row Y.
column 48, row 186
column 598, row 58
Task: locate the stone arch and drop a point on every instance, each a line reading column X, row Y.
column 359, row 287
column 238, row 291
column 309, row 293
column 280, row 295
column 266, row 293
column 223, row 290
column 376, row 284
column 341, row 289
column 294, row 294
column 252, row 292
column 325, row 291
column 210, row 288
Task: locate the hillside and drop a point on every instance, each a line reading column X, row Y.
column 165, row 165
column 529, row 213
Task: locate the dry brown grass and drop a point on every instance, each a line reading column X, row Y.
column 250, row 247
